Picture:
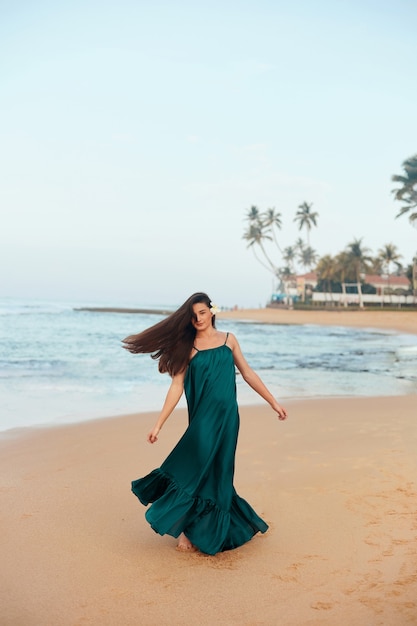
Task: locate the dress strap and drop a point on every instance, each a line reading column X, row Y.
column 225, row 342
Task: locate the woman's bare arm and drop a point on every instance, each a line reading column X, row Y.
column 173, row 396
column 252, row 378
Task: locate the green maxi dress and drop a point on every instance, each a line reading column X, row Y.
column 192, row 491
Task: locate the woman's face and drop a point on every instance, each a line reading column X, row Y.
column 202, row 315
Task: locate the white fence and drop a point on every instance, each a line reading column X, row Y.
column 353, row 298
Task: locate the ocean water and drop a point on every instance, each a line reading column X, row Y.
column 60, row 365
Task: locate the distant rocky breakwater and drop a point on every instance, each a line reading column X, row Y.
column 96, row 309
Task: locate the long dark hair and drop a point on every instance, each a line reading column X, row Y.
column 171, row 340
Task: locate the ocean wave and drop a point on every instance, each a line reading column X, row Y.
column 56, row 361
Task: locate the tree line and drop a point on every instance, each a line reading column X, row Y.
column 350, row 264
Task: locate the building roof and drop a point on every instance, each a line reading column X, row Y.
column 371, row 279
column 308, row 276
column 385, row 280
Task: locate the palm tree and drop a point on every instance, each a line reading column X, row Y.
column 389, row 254
column 256, row 236
column 411, row 274
column 341, row 272
column 306, row 218
column 255, row 228
column 408, row 192
column 289, row 256
column 307, row 257
column 271, row 219
column 357, row 261
column 326, row 270
column 261, row 226
column 285, row 274
column 299, row 244
column 376, row 266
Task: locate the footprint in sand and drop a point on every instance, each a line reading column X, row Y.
column 322, row 606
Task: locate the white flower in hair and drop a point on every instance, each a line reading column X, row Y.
column 214, row 308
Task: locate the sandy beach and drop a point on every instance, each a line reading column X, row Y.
column 400, row 321
column 336, row 482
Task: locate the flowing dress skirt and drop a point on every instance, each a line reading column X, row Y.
column 192, row 491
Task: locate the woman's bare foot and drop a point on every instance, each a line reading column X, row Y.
column 184, row 544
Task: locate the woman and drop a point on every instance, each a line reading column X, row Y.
column 192, row 492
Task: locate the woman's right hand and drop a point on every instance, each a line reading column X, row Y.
column 174, row 394
column 282, row 413
column 153, row 435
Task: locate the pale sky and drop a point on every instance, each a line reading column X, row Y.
column 135, row 136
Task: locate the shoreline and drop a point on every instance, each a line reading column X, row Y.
column 98, row 309
column 336, row 482
column 399, row 321
column 15, row 433
column 402, row 322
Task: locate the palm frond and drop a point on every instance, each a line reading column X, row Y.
column 403, row 211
